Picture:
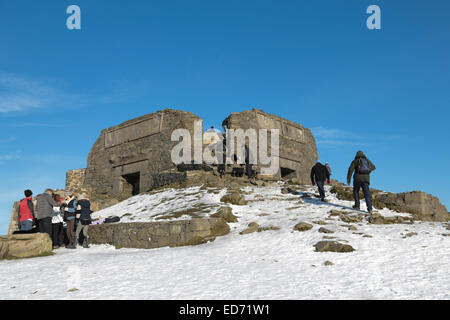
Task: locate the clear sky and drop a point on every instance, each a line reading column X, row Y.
column 386, row 92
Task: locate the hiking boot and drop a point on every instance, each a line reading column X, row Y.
column 75, row 242
column 355, row 207
column 86, row 242
column 55, row 247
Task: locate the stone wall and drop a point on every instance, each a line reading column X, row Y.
column 75, row 181
column 162, row 179
column 148, row 235
column 125, row 157
column 298, row 150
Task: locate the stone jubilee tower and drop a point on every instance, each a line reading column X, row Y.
column 125, row 158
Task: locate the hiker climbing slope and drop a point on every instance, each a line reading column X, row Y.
column 361, row 167
column 319, row 174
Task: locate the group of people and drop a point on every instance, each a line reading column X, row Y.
column 360, row 168
column 62, row 218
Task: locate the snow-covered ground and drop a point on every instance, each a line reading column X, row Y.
column 275, row 264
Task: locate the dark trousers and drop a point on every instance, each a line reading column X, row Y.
column 56, row 234
column 221, row 169
column 320, row 186
column 249, row 170
column 366, row 190
column 45, row 226
column 71, row 231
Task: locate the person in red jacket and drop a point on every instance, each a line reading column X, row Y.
column 26, row 212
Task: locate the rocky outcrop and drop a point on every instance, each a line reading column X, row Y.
column 234, row 198
column 226, row 213
column 351, row 218
column 14, row 221
column 303, row 226
column 325, row 230
column 252, row 227
column 333, row 246
column 148, row 235
column 421, row 205
column 379, row 219
column 20, row 246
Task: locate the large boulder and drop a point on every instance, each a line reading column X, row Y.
column 148, row 235
column 333, row 246
column 421, row 205
column 252, row 227
column 303, row 226
column 30, row 245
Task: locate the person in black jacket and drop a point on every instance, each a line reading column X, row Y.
column 84, row 215
column 319, row 174
column 361, row 179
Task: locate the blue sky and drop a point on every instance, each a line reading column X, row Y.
column 385, row 91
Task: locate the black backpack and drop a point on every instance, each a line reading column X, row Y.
column 364, row 166
column 112, row 219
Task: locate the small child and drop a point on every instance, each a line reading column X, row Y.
column 84, row 215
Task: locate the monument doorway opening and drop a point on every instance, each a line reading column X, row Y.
column 130, row 184
column 287, row 173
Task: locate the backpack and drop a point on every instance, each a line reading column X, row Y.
column 112, row 219
column 363, row 166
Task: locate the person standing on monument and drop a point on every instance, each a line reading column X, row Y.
column 248, row 161
column 361, row 167
column 319, row 174
column 44, row 211
column 223, row 158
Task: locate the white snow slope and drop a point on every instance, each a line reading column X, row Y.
column 275, row 264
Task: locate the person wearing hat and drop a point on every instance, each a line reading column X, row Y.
column 84, row 216
column 44, row 211
column 319, row 174
column 26, row 212
column 70, row 210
